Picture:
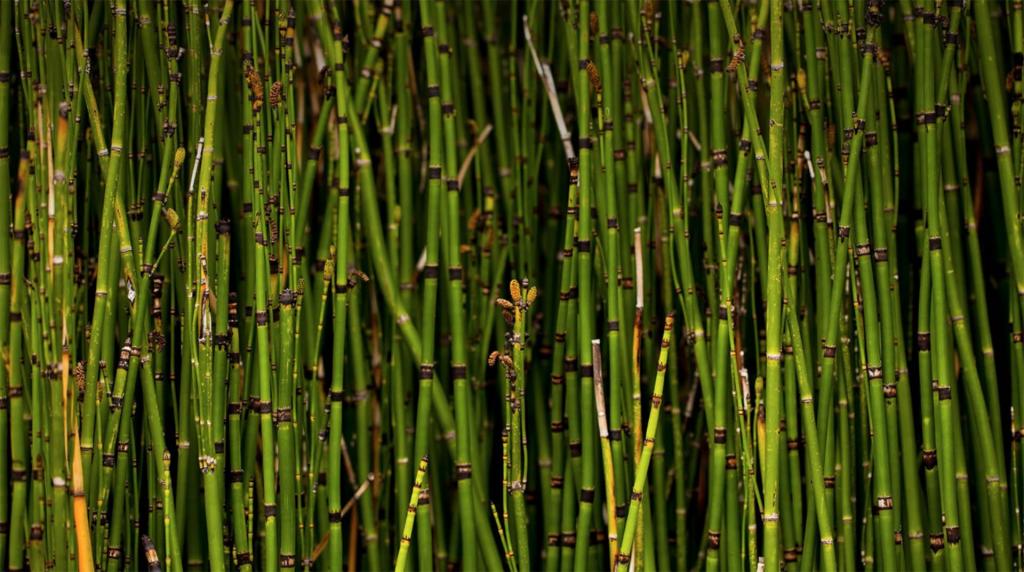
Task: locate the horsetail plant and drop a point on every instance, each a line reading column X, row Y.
column 253, row 257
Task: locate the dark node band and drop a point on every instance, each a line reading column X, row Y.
column 719, row 435
column 929, row 458
column 924, row 341
column 714, row 540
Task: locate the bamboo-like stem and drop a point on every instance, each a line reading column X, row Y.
column 606, row 450
column 774, row 310
column 410, row 522
column 340, row 302
column 640, row 480
column 7, row 422
column 585, row 318
column 451, row 255
column 203, row 312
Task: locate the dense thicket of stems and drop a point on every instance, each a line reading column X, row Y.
column 261, row 259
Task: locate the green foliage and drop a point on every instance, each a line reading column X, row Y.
column 521, row 285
